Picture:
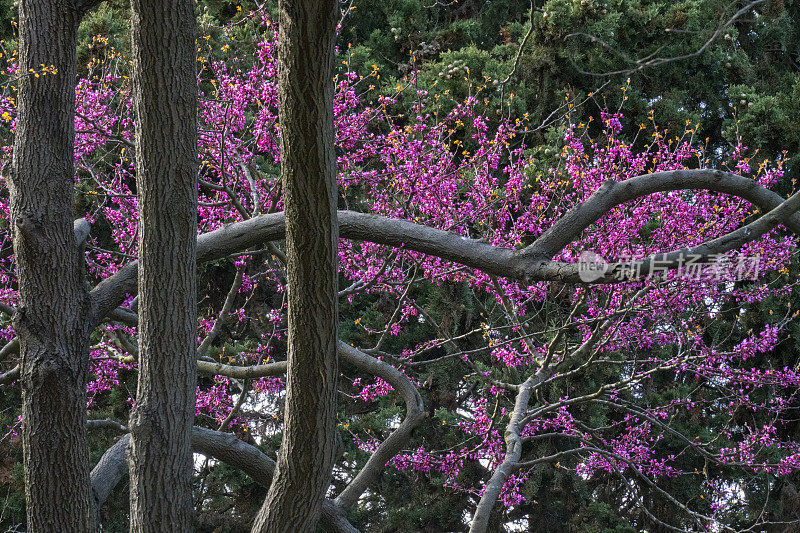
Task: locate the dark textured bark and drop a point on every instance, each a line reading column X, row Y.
column 165, row 100
column 53, row 319
column 307, row 35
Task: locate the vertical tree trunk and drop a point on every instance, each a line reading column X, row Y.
column 165, row 101
column 307, row 36
column 53, row 318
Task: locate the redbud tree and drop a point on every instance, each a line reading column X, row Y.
column 508, row 314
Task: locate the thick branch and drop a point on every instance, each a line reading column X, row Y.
column 658, row 263
column 111, row 292
column 225, row 447
column 396, row 441
column 529, row 264
column 241, row 372
column 510, row 461
column 613, row 193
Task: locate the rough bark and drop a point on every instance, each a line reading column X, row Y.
column 53, row 319
column 165, row 100
column 305, row 86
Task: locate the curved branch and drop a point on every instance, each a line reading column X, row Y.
column 396, row 441
column 111, row 292
column 785, row 213
column 530, row 264
column 225, row 447
column 389, row 447
column 11, row 375
column 613, row 193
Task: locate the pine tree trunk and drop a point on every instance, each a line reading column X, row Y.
column 165, row 101
column 307, row 35
column 54, row 315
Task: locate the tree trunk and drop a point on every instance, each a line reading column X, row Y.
column 54, row 316
column 165, row 101
column 307, row 36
